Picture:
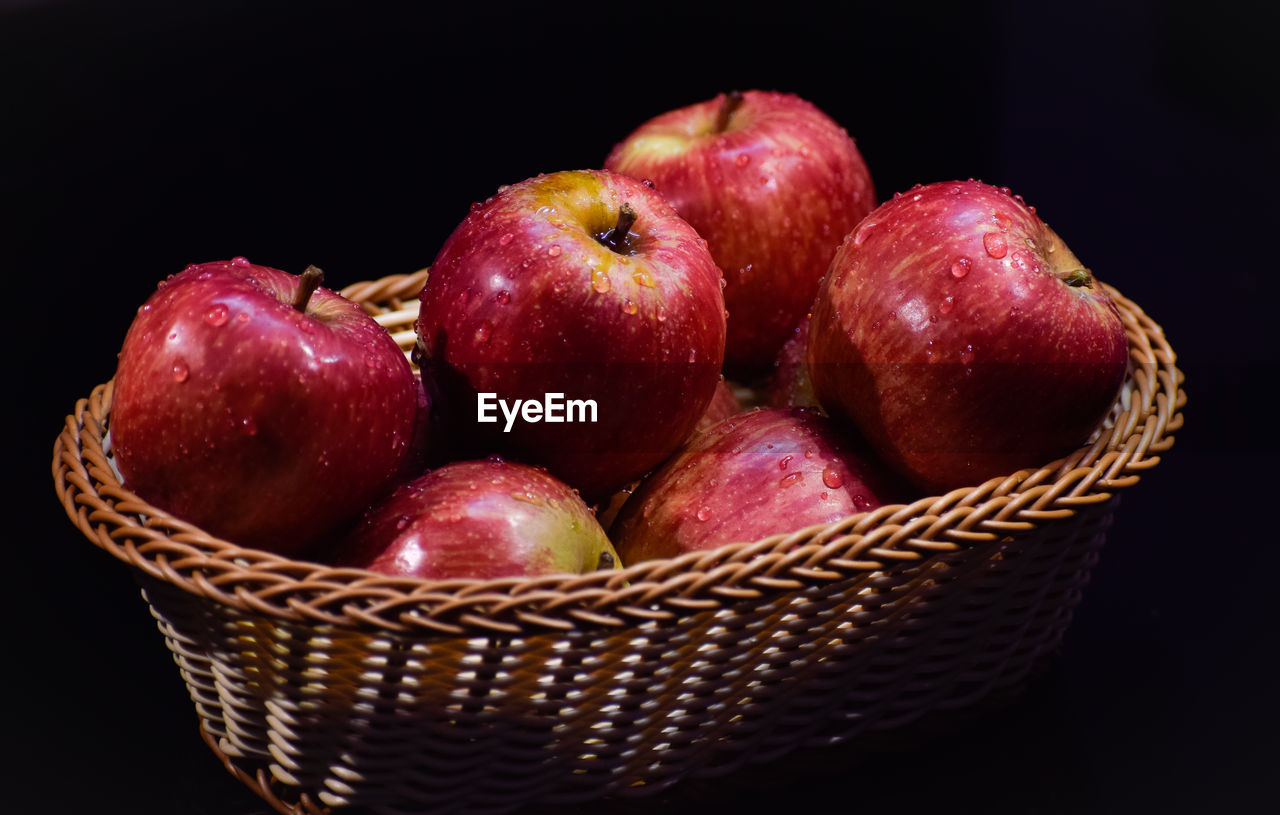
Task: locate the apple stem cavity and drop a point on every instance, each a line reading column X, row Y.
column 619, row 237
column 732, row 100
column 308, row 282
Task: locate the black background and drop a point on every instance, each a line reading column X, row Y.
column 138, row 137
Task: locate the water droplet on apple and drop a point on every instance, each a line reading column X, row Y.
column 242, row 317
column 832, row 478
column 863, row 232
column 784, row 462
column 1022, row 262
column 628, row 306
column 791, row 480
column 506, row 238
column 693, row 355
column 995, row 244
column 960, row 267
column 966, row 356
column 554, row 251
column 484, row 331
column 600, row 281
column 180, row 371
column 249, row 426
column 503, row 297
column 742, row 160
column 662, row 313
column 703, row 513
column 402, row 522
column 948, row 303
column 240, row 261
column 643, row 278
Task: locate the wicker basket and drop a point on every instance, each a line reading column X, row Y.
column 323, row 688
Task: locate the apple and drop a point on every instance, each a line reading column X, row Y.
column 576, row 289
column 260, row 406
column 789, row 384
column 760, row 473
column 724, row 403
column 479, row 519
column 963, row 337
column 773, row 184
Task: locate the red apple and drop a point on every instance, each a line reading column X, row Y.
column 753, row 475
column 773, row 184
column 724, row 403
column 479, row 519
column 789, row 384
column 963, row 337
column 261, row 408
column 574, row 288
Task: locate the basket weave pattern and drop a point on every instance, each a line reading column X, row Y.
column 322, row 687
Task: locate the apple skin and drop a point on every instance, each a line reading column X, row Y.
column 259, row 423
column 760, row 473
column 479, row 519
column 524, row 300
column 963, row 337
column 773, row 194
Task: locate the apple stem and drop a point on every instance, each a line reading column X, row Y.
column 731, row 101
column 619, row 238
column 308, row 282
column 1079, row 277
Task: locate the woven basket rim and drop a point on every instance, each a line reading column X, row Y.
column 1140, row 428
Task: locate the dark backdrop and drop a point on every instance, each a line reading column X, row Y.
column 138, row 137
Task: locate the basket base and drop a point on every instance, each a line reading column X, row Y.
column 798, row 765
